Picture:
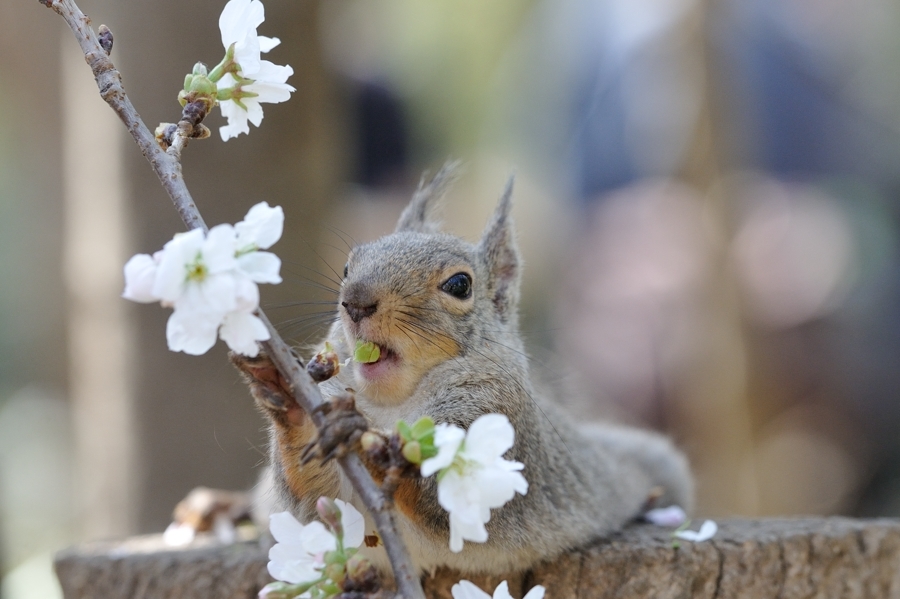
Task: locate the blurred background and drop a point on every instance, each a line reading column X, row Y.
column 707, row 201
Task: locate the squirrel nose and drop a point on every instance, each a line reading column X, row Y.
column 357, row 312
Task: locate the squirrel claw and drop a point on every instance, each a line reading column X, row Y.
column 344, row 426
column 267, row 386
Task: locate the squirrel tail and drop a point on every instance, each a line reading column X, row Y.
column 655, row 454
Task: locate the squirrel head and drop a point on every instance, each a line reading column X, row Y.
column 425, row 297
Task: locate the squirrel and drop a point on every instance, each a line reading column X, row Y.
column 444, row 315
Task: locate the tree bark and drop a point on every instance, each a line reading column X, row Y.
column 785, row 558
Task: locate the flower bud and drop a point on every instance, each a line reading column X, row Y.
column 165, row 134
column 330, row 514
column 324, row 364
column 200, row 69
column 334, row 571
column 412, row 451
column 361, row 575
column 105, row 37
column 201, row 86
column 371, row 441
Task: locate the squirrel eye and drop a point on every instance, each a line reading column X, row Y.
column 346, row 269
column 459, row 286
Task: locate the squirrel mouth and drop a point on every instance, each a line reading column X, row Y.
column 387, row 361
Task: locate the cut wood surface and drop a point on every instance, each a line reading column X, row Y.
column 783, row 558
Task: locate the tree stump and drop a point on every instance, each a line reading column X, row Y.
column 750, row 559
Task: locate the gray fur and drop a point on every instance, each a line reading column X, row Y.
column 583, row 484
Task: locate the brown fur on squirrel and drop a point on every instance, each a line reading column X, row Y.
column 444, row 315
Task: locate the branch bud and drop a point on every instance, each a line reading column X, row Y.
column 105, row 37
column 165, row 134
column 361, row 575
column 324, row 364
column 371, row 442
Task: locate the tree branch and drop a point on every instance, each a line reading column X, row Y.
column 168, row 169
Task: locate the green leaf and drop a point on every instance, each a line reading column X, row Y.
column 422, row 428
column 404, row 430
column 366, row 352
column 429, row 450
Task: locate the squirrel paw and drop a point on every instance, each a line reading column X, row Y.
column 344, row 426
column 267, row 386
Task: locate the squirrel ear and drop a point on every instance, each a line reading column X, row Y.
column 417, row 215
column 501, row 256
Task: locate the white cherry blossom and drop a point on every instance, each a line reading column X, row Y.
column 200, row 266
column 298, row 555
column 269, row 85
column 707, row 531
column 467, row 590
column 210, row 280
column 267, row 81
column 196, row 276
column 473, row 477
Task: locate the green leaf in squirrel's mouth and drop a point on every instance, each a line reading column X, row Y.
column 366, row 352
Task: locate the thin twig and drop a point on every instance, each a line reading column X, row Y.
column 168, row 169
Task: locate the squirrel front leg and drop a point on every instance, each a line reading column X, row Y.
column 291, row 431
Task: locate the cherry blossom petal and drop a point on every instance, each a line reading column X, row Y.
column 246, row 294
column 502, row 591
column 216, row 295
column 465, row 529
column 191, row 332
column 353, row 523
column 536, row 592
column 447, row 438
column 237, row 120
column 489, row 437
column 140, row 275
column 672, row 516
column 239, row 18
column 241, row 331
column 267, row 43
column 707, row 531
column 284, row 565
column 171, row 275
column 260, row 267
column 317, row 539
column 218, row 249
column 498, row 486
column 467, row 590
column 285, row 527
column 262, row 227
column 273, row 74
